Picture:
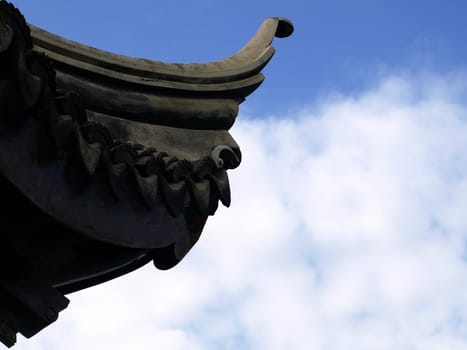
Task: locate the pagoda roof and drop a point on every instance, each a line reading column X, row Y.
column 108, row 162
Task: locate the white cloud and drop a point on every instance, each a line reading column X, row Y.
column 347, row 231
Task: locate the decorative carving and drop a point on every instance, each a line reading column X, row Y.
column 91, row 143
column 114, row 161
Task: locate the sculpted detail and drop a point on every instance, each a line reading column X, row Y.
column 107, row 162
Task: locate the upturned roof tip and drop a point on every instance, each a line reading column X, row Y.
column 238, row 74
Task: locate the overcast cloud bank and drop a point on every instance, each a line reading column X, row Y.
column 347, row 231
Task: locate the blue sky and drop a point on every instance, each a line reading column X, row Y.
column 347, row 228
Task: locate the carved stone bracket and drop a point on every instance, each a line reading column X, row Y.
column 107, row 162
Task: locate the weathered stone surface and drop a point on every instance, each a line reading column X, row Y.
column 107, row 162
